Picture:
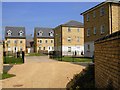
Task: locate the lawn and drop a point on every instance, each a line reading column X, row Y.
column 6, row 75
column 75, row 59
column 12, row 60
column 35, row 54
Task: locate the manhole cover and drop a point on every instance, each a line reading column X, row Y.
column 19, row 85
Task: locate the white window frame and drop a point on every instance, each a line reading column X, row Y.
column 88, row 17
column 94, row 30
column 102, row 11
column 69, row 39
column 40, row 33
column 78, row 30
column 51, row 33
column 94, row 14
column 9, row 32
column 21, row 33
column 69, row 49
column 40, row 41
column 102, row 29
column 78, row 39
column 69, row 29
column 88, row 32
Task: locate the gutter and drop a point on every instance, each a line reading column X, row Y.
column 111, row 16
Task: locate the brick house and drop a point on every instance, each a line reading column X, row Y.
column 15, row 39
column 99, row 21
column 69, row 38
column 43, row 39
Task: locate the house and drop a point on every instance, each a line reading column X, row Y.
column 29, row 44
column 69, row 38
column 15, row 39
column 99, row 21
column 43, row 39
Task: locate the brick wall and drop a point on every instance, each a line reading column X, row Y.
column 107, row 61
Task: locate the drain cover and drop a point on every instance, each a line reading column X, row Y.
column 19, row 85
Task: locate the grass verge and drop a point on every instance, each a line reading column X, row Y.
column 35, row 54
column 12, row 60
column 75, row 59
column 6, row 75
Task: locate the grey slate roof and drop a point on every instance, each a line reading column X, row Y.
column 45, row 32
column 73, row 23
column 15, row 32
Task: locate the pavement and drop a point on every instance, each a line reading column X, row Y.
column 41, row 72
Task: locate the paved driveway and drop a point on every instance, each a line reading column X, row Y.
column 41, row 72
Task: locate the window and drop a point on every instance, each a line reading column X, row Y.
column 15, row 41
column 20, row 48
column 51, row 41
column 52, row 48
column 78, row 29
column 8, row 41
column 46, row 41
column 102, row 11
column 88, row 17
column 40, row 41
column 78, row 39
column 94, row 14
column 49, row 48
column 88, row 32
column 44, row 48
column 20, row 41
column 94, row 30
column 88, row 46
column 69, row 49
column 9, row 33
column 39, row 48
column 21, row 33
column 50, row 33
column 40, row 33
column 69, row 29
column 102, row 29
column 69, row 39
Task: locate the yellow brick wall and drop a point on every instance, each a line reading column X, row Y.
column 74, row 34
column 44, row 44
column 107, row 66
column 96, row 22
column 102, row 20
column 12, row 44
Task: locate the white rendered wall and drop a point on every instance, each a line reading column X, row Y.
column 89, row 53
column 76, row 48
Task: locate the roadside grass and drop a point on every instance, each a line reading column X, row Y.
column 83, row 80
column 74, row 59
column 35, row 54
column 6, row 75
column 12, row 60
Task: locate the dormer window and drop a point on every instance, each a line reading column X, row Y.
column 51, row 33
column 21, row 33
column 9, row 33
column 40, row 33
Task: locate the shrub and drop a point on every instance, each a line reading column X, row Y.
column 83, row 80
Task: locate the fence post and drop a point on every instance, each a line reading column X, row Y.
column 23, row 54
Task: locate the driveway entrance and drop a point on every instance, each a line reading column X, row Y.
column 41, row 72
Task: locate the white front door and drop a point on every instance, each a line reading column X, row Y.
column 28, row 50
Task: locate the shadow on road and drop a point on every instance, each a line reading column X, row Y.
column 82, row 63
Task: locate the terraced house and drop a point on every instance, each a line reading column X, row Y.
column 99, row 21
column 69, row 38
column 43, row 39
column 15, row 39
